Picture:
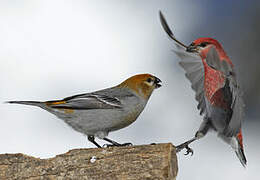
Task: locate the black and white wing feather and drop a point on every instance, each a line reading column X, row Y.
column 89, row 101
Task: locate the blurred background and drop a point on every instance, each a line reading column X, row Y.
column 53, row 49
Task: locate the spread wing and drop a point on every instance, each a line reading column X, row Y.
column 87, row 101
column 194, row 69
column 191, row 63
column 237, row 104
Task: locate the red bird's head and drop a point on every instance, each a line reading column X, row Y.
column 200, row 46
column 203, row 45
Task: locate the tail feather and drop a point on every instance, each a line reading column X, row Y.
column 240, row 148
column 241, row 156
column 32, row 103
column 237, row 144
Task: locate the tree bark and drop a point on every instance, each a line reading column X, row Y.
column 128, row 163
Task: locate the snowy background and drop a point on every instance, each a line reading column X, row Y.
column 53, row 49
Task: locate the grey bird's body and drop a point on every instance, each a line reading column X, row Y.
column 98, row 113
column 95, row 113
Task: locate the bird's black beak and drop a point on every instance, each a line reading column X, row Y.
column 192, row 48
column 157, row 82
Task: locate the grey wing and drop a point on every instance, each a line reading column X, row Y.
column 237, row 104
column 169, row 31
column 165, row 25
column 88, row 101
column 214, row 62
column 194, row 69
column 191, row 63
column 238, row 114
column 212, row 59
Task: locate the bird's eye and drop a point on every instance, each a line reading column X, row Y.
column 149, row 80
column 203, row 44
column 192, row 44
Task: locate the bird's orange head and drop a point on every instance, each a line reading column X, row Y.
column 142, row 84
column 203, row 45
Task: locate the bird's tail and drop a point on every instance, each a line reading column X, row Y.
column 239, row 149
column 31, row 103
column 241, row 156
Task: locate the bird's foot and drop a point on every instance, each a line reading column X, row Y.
column 185, row 146
column 189, row 151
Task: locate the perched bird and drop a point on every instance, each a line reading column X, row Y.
column 98, row 113
column 219, row 97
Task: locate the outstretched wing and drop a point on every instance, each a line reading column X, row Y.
column 191, row 63
column 237, row 104
column 169, row 31
column 194, row 69
column 86, row 101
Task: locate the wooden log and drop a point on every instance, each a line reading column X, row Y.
column 128, row 163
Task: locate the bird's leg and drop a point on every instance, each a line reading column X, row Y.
column 204, row 127
column 198, row 135
column 92, row 139
column 114, row 143
column 186, row 146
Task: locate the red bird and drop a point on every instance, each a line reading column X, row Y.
column 219, row 97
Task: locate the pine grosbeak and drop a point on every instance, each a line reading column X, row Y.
column 213, row 78
column 98, row 113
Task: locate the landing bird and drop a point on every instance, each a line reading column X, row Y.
column 219, row 97
column 98, row 113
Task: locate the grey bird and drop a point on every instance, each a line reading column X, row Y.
column 98, row 113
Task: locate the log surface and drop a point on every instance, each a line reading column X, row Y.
column 131, row 163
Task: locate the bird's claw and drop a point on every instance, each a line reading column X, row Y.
column 185, row 146
column 188, row 151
